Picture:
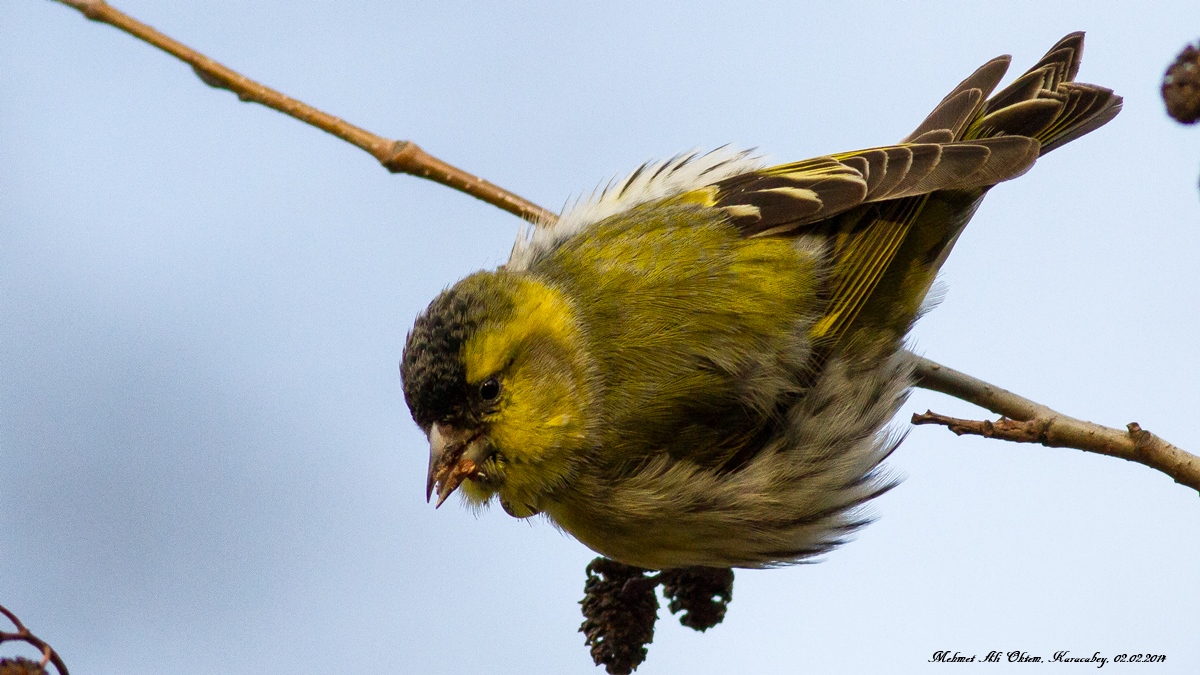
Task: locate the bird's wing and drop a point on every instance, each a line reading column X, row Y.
column 890, row 183
column 867, row 203
column 784, row 199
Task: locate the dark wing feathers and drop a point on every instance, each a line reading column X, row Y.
column 962, row 104
column 966, row 145
column 967, row 142
column 947, row 120
column 1026, row 118
column 957, row 163
column 1065, row 56
column 1010, row 157
column 862, row 253
column 1090, row 108
column 1023, row 88
column 862, row 165
column 877, row 162
column 1045, row 103
column 790, row 196
column 896, row 162
column 935, row 136
column 925, row 158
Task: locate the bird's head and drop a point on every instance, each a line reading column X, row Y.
column 496, row 372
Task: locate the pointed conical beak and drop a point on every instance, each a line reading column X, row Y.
column 448, row 468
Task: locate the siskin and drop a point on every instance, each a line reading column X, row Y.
column 697, row 366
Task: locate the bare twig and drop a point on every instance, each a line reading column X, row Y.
column 1024, row 421
column 23, row 635
column 396, row 156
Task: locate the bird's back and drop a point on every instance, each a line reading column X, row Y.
column 697, row 331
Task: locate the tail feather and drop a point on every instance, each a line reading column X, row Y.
column 1065, row 55
column 919, row 218
column 1091, row 107
column 962, row 105
column 1046, row 103
column 1025, row 118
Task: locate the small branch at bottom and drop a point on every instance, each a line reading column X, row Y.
column 24, row 635
column 1025, row 421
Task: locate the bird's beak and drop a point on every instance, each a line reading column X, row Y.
column 448, row 467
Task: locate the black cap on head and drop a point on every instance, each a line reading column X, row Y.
column 435, row 380
column 435, row 377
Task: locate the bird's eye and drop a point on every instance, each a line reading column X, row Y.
column 490, row 389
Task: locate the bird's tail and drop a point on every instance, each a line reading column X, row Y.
column 1045, row 103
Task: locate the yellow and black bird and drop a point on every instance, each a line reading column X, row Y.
column 697, row 366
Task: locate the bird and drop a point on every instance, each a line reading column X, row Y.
column 697, row 366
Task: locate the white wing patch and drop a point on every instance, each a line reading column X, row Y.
column 649, row 182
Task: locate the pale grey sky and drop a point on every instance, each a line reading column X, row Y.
column 204, row 451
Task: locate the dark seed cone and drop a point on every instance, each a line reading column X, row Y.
column 1181, row 86
column 619, row 608
column 21, row 666
column 701, row 593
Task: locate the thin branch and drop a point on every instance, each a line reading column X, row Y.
column 395, row 156
column 1024, row 421
column 23, row 635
